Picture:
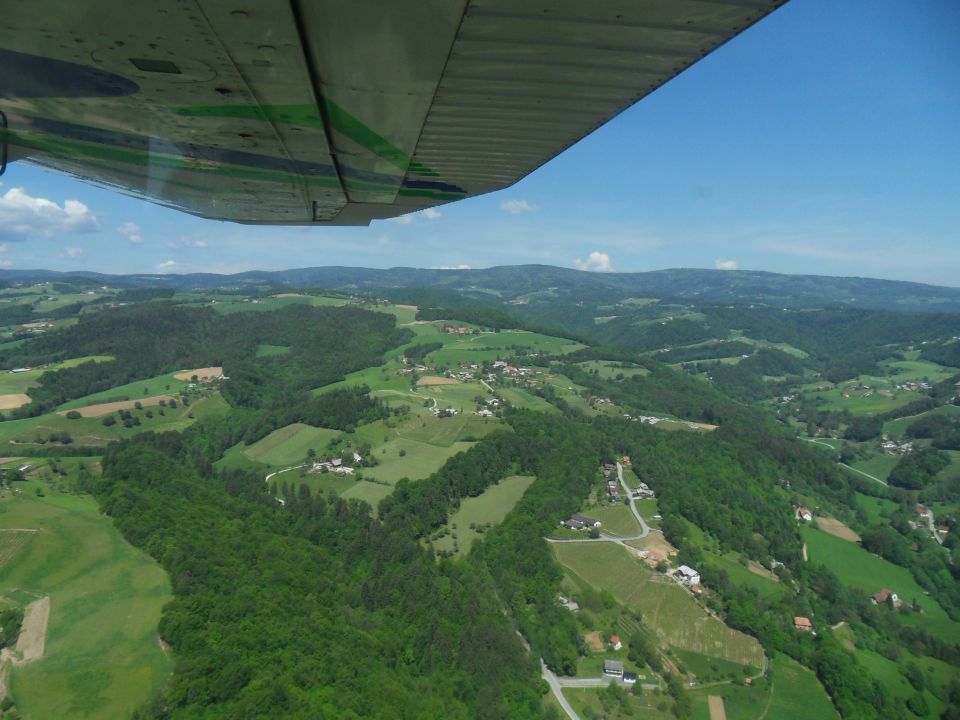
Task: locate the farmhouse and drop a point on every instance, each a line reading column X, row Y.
column 613, row 668
column 885, row 596
column 615, row 642
column 922, row 510
column 629, row 678
column 802, row 623
column 585, row 521
column 687, row 575
column 803, row 514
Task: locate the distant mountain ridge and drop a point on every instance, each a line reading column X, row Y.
column 515, row 282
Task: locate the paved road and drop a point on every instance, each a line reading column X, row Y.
column 644, row 528
column 295, row 467
column 606, row 537
column 554, row 683
column 848, row 467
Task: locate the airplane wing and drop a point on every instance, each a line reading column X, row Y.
column 332, row 111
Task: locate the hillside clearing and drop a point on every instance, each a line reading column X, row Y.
column 13, row 401
column 837, row 529
column 33, row 632
column 106, row 408
column 201, row 373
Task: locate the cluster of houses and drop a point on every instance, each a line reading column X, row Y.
column 914, row 386
column 896, row 447
column 460, row 330
column 507, row 369
column 336, row 465
column 580, row 522
column 34, row 327
column 648, row 419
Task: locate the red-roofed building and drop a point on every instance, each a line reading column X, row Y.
column 802, row 623
column 885, row 596
column 615, row 642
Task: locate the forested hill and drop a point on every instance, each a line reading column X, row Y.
column 521, row 282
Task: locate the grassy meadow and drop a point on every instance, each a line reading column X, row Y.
column 491, row 506
column 106, row 599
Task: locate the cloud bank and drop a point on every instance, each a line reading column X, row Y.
column 595, row 262
column 23, row 216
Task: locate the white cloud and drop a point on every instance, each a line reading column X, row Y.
column 428, row 213
column 185, row 242
column 131, row 231
column 4, row 247
column 5, row 264
column 167, row 266
column 515, row 207
column 74, row 252
column 461, row 266
column 23, row 216
column 721, row 264
column 595, row 262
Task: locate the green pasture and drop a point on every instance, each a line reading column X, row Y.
column 879, row 465
column 792, row 693
column 744, row 576
column 615, row 519
column 870, row 573
column 270, row 350
column 491, row 506
column 876, row 507
column 106, row 599
column 11, row 382
column 165, row 384
column 898, row 427
column 667, row 608
column 92, row 432
column 607, row 369
column 586, row 702
column 288, row 445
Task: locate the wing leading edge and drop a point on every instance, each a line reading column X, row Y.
column 332, row 112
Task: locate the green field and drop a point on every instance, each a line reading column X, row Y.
column 898, row 426
column 671, row 611
column 11, row 382
column 876, row 507
column 92, row 432
column 587, row 703
column 288, row 445
column 745, row 577
column 491, row 506
column 106, row 599
column 860, row 569
column 615, row 519
column 793, row 693
column 879, row 465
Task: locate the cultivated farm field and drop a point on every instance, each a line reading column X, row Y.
column 667, row 608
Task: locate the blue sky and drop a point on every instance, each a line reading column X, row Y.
column 824, row 140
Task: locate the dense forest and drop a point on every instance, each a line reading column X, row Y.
column 149, row 339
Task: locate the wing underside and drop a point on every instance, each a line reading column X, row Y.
column 327, row 111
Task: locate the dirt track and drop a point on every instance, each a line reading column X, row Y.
column 107, row 408
column 14, row 400
column 201, row 373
